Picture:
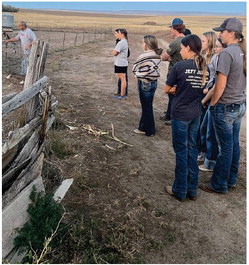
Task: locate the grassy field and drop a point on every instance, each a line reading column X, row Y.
column 133, row 23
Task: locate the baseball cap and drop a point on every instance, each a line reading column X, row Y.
column 176, row 21
column 232, row 24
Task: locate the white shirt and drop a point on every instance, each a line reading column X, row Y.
column 26, row 37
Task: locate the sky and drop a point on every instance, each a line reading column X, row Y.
column 236, row 8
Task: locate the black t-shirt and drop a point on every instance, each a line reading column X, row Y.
column 186, row 104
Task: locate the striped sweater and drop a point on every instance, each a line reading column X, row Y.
column 147, row 66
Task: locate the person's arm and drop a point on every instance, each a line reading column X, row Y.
column 208, row 96
column 219, row 88
column 10, row 40
column 165, row 56
column 118, row 48
column 170, row 87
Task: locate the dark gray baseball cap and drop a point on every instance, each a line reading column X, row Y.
column 232, row 24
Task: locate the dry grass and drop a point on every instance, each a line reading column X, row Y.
column 77, row 20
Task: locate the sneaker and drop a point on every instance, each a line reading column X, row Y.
column 116, row 94
column 205, row 169
column 138, row 131
column 120, row 97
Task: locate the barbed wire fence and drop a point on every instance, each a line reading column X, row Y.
column 59, row 40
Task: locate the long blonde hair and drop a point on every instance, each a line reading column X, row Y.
column 152, row 43
column 211, row 39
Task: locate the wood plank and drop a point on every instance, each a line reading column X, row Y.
column 15, row 215
column 28, row 174
column 8, row 156
column 31, row 173
column 19, row 134
column 24, row 96
column 62, row 190
column 10, row 176
column 6, row 98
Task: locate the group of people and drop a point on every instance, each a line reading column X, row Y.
column 206, row 84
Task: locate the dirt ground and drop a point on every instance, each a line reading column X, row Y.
column 125, row 183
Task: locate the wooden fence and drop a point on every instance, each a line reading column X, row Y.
column 23, row 150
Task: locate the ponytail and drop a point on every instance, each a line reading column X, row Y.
column 242, row 44
column 201, row 64
column 159, row 51
column 195, row 45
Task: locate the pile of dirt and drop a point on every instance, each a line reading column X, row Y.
column 152, row 23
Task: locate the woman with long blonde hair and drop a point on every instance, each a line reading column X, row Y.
column 208, row 40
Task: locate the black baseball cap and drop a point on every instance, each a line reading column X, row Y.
column 232, row 24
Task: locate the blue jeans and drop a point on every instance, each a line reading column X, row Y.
column 227, row 121
column 202, row 132
column 146, row 95
column 211, row 143
column 184, row 135
column 168, row 111
column 119, row 85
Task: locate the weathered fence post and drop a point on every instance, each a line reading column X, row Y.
column 64, row 37
column 83, row 36
column 35, row 70
column 75, row 41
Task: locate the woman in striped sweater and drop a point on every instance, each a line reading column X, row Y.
column 147, row 70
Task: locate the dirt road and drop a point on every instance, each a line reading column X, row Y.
column 125, row 184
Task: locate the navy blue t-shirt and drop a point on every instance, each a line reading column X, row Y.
column 186, row 104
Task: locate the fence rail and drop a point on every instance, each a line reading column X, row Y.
column 22, row 150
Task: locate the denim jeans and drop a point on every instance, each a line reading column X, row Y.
column 24, row 64
column 211, row 143
column 119, row 85
column 202, row 132
column 146, row 95
column 227, row 121
column 168, row 111
column 184, row 134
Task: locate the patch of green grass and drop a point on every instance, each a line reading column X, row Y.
column 159, row 212
column 153, row 244
column 91, row 240
column 58, row 147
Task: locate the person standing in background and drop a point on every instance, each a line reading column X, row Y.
column 208, row 51
column 26, row 36
column 126, row 77
column 173, row 55
column 228, row 106
column 211, row 142
column 147, row 70
column 121, row 59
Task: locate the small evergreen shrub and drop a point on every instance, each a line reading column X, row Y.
column 44, row 216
